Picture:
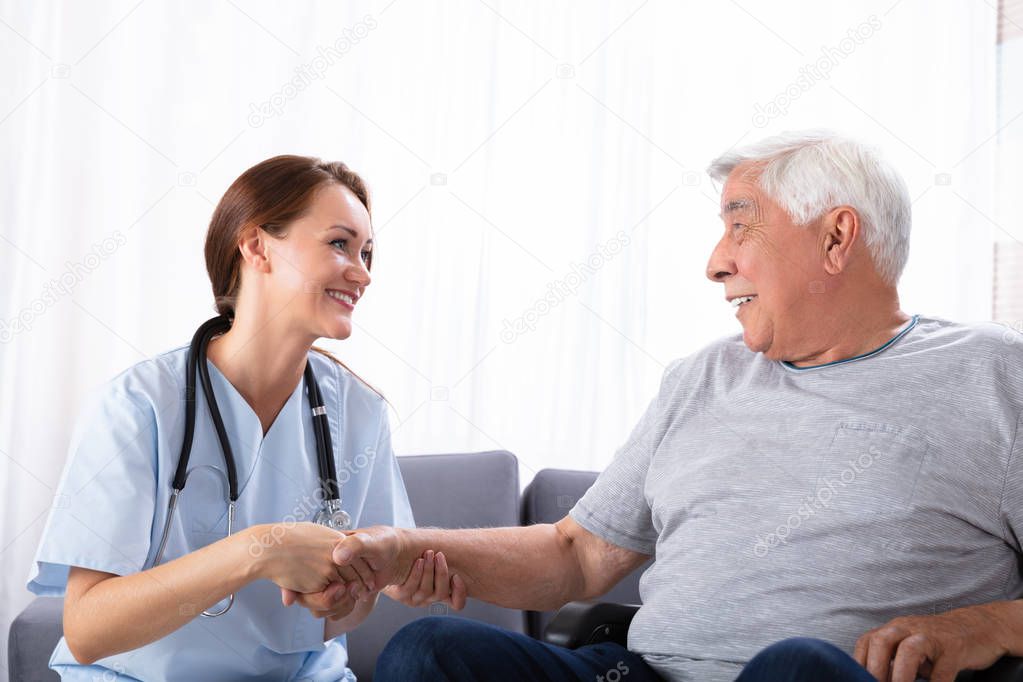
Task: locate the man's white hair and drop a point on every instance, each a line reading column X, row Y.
column 810, row 172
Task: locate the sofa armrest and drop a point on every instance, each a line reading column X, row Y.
column 33, row 635
column 1007, row 669
column 580, row 623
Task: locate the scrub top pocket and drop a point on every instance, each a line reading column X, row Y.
column 203, row 506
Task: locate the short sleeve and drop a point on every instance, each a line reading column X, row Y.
column 387, row 501
column 102, row 512
column 615, row 508
column 1012, row 501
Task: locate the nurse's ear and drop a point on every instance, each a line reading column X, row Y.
column 254, row 247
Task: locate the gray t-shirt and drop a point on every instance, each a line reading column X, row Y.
column 818, row 502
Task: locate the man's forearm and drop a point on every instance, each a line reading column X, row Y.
column 533, row 567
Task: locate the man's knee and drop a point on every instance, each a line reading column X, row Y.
column 426, row 648
column 798, row 656
column 416, row 643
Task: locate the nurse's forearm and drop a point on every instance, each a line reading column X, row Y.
column 106, row 614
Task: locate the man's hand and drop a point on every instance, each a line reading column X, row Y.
column 367, row 560
column 299, row 557
column 935, row 647
column 430, row 582
column 382, row 549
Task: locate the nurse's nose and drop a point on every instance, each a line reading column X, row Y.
column 358, row 274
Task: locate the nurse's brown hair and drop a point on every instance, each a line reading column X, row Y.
column 271, row 195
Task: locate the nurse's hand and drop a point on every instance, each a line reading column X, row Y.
column 334, row 603
column 430, row 582
column 297, row 556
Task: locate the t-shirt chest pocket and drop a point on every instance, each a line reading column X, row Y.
column 870, row 468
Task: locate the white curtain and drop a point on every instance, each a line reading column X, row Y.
column 1008, row 304
column 542, row 213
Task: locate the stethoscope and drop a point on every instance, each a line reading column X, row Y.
column 330, row 514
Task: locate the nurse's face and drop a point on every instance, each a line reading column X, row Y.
column 319, row 270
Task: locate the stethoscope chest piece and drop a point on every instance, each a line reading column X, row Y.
column 333, row 516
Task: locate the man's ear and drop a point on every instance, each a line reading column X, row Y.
column 253, row 246
column 840, row 230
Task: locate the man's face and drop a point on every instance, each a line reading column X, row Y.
column 763, row 254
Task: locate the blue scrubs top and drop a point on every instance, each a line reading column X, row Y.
column 111, row 505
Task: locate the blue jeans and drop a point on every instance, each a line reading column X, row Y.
column 446, row 649
column 449, row 649
column 802, row 659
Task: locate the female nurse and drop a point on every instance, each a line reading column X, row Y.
column 288, row 252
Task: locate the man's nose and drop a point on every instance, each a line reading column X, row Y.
column 721, row 263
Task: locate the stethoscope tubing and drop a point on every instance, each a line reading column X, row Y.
column 196, row 362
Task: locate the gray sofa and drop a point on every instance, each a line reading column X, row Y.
column 448, row 491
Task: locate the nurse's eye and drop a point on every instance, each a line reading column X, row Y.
column 365, row 254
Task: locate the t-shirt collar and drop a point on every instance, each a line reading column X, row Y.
column 880, row 349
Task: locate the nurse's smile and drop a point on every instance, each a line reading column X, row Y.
column 345, row 299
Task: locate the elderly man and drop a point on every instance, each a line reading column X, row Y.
column 832, row 495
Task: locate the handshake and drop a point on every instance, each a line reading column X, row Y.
column 331, row 573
